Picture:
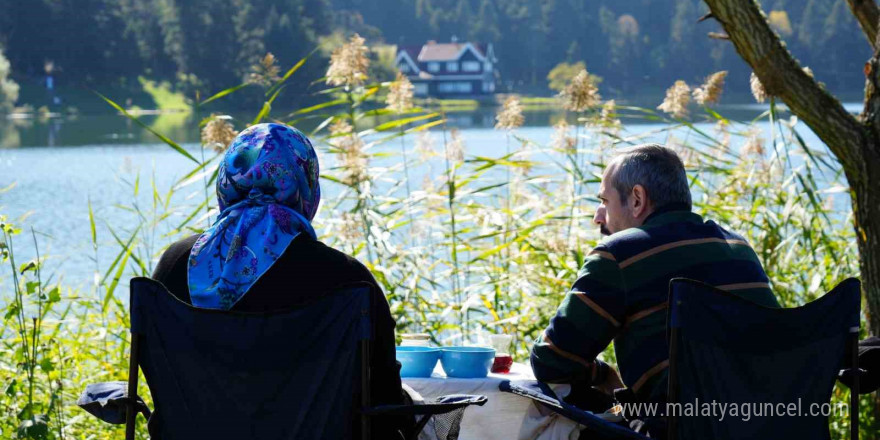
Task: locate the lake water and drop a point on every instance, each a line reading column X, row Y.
column 58, row 165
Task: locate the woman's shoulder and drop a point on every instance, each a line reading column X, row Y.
column 173, row 254
column 350, row 269
column 184, row 245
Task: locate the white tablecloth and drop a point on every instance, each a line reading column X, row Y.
column 505, row 416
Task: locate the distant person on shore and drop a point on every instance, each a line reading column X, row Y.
column 621, row 291
column 262, row 254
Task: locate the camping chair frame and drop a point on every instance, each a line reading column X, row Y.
column 132, row 412
column 853, row 345
column 426, row 411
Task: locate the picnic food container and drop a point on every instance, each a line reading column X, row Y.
column 415, row 339
column 467, row 362
column 417, row 361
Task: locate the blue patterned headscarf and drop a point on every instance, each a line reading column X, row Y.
column 268, row 192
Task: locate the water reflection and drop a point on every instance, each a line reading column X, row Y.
column 53, row 129
column 72, row 130
column 75, row 130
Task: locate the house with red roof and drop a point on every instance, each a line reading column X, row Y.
column 448, row 69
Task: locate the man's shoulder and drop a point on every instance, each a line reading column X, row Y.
column 631, row 237
column 632, row 241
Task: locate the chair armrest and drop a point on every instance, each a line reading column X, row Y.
column 850, row 372
column 450, row 407
column 109, row 402
column 440, row 405
column 541, row 394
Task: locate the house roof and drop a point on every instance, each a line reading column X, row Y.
column 482, row 48
column 440, row 51
column 418, row 56
column 412, row 51
column 446, row 51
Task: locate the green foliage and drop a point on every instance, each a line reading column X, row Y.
column 780, row 23
column 382, row 66
column 8, row 87
column 196, row 46
column 563, row 73
column 633, row 44
column 33, row 392
column 164, row 97
column 201, row 46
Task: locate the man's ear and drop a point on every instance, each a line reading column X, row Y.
column 638, row 201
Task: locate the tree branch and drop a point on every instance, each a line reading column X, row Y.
column 782, row 76
column 868, row 15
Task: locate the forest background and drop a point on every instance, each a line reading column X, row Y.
column 638, row 47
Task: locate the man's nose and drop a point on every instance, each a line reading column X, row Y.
column 599, row 218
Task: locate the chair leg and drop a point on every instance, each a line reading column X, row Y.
column 419, row 426
column 365, row 388
column 854, row 390
column 131, row 411
column 672, row 390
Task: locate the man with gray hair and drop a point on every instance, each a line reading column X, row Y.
column 621, row 291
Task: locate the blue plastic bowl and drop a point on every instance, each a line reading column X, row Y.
column 467, row 362
column 417, row 361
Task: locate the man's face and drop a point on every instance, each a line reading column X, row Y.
column 612, row 215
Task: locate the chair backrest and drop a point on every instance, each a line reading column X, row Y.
column 773, row 368
column 285, row 375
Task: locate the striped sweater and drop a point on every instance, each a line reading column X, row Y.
column 621, row 294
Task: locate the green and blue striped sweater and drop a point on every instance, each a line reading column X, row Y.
column 621, row 294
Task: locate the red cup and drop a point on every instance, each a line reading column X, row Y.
column 502, row 363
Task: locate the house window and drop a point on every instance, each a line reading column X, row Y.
column 470, row 66
column 420, row 89
column 487, row 66
column 433, row 67
column 404, row 68
column 455, row 87
column 452, row 66
column 446, row 87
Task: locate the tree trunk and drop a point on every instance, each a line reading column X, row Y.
column 866, row 207
column 854, row 141
column 865, row 193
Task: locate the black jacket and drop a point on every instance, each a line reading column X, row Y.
column 305, row 271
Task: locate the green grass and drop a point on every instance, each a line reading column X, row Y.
column 539, row 100
column 142, row 94
column 539, row 103
column 165, row 98
column 449, row 104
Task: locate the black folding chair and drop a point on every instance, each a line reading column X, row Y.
column 781, row 362
column 727, row 349
column 217, row 374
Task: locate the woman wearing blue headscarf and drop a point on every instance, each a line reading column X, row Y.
column 262, row 253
